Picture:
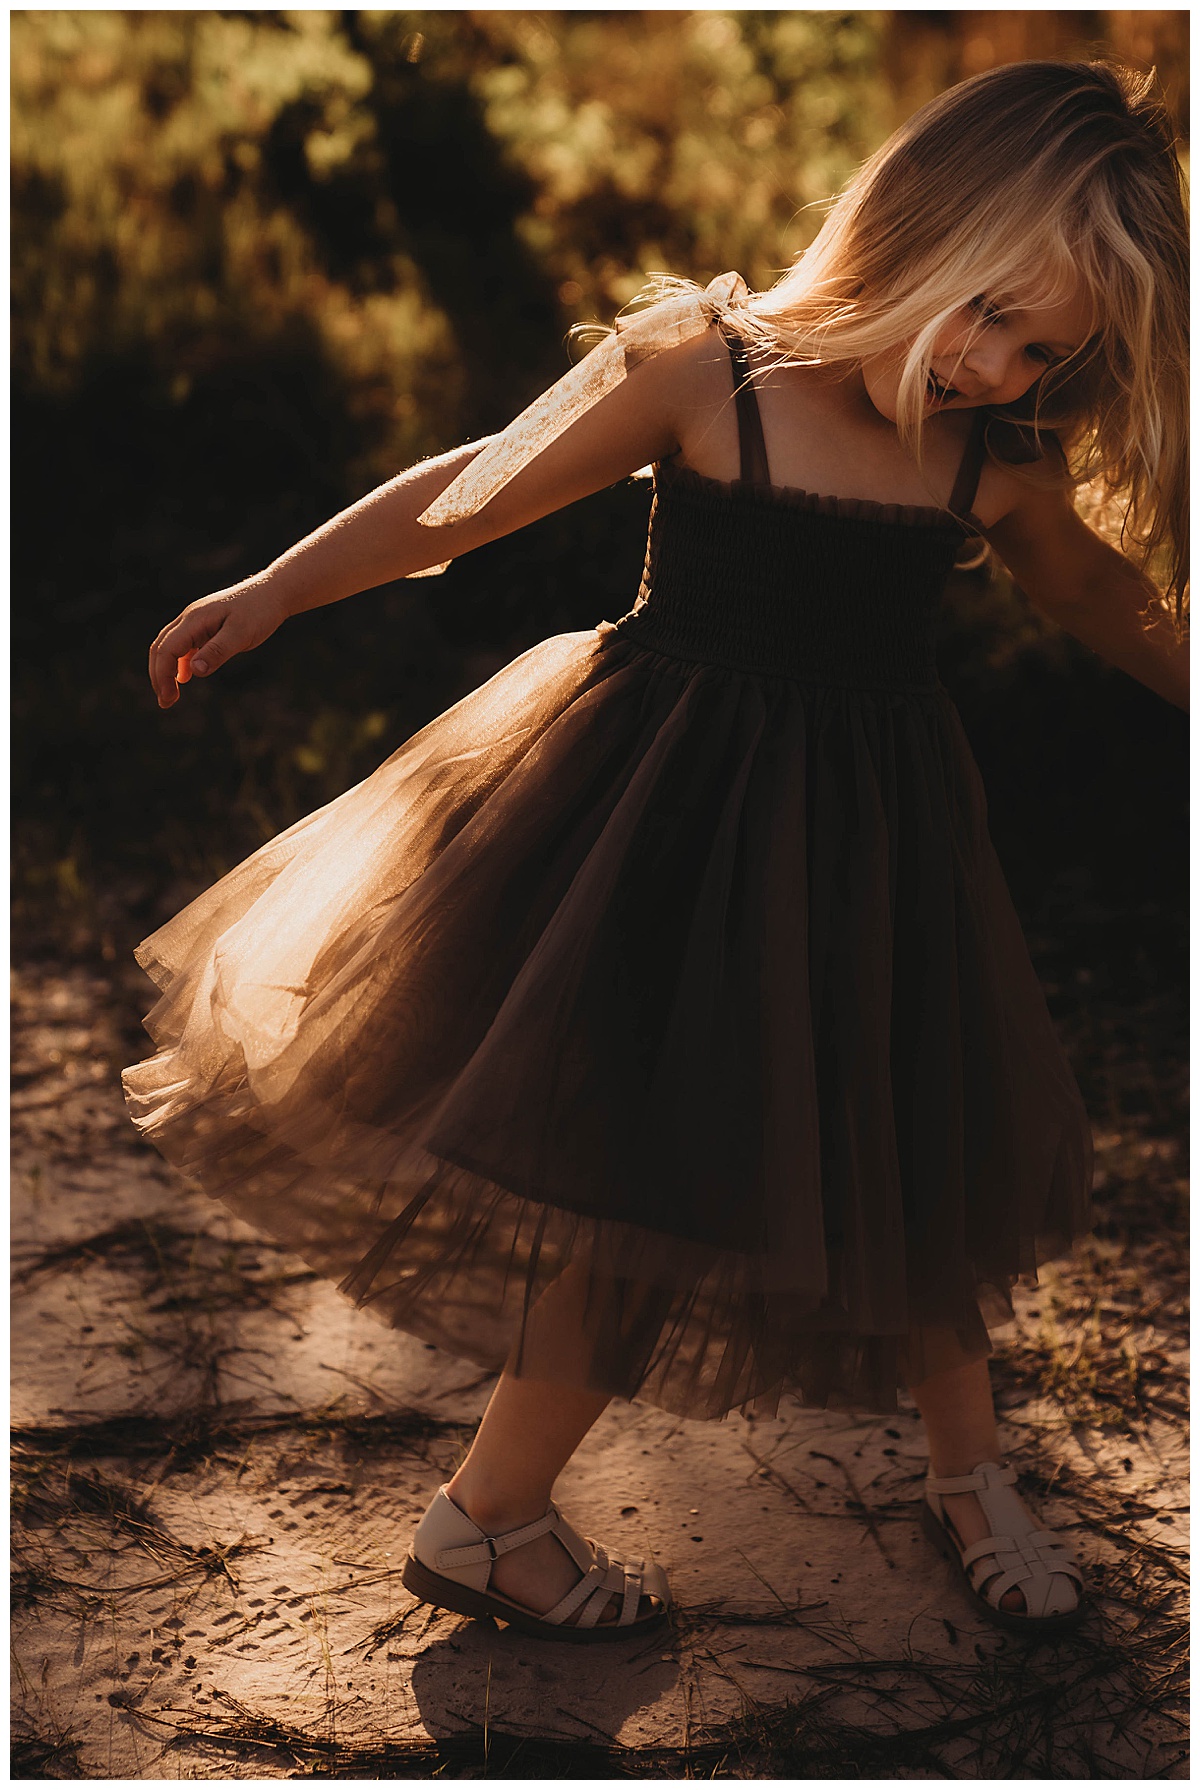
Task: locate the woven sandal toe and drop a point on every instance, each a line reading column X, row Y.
column 1039, row 1563
column 450, row 1565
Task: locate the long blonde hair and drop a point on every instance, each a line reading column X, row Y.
column 1012, row 186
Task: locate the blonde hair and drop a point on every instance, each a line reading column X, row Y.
column 1014, row 186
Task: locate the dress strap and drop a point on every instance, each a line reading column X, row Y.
column 751, row 445
column 966, row 482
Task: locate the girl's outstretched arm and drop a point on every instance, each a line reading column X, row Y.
column 1092, row 591
column 379, row 538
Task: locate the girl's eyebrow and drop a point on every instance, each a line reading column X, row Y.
column 1061, row 346
column 1056, row 343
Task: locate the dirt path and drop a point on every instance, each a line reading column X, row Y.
column 219, row 1464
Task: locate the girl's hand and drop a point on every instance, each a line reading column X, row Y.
column 209, row 632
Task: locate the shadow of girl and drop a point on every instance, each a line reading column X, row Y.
column 480, row 1677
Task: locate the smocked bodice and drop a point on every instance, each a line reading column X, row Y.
column 784, row 583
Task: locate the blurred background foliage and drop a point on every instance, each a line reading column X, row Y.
column 262, row 260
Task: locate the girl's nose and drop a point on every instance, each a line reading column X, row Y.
column 989, row 360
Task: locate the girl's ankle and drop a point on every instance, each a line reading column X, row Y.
column 956, row 1464
column 495, row 1512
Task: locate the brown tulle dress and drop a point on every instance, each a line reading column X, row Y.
column 658, row 1017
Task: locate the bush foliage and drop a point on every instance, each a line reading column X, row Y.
column 263, row 259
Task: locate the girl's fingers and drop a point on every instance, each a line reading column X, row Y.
column 173, row 653
column 214, row 652
column 169, row 667
column 207, row 634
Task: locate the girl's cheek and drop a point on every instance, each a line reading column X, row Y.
column 953, row 341
column 951, row 347
column 1017, row 386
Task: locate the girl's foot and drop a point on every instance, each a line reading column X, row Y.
column 1018, row 1572
column 540, row 1575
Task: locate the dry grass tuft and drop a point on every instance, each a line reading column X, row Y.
column 64, row 1513
column 35, row 1753
column 192, row 1436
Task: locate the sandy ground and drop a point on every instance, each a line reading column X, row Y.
column 220, row 1463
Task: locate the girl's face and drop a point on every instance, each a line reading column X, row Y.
column 985, row 355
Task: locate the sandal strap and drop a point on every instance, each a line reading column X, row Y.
column 1017, row 1555
column 981, row 1480
column 1044, row 1590
column 589, row 1594
column 1000, row 1585
column 583, row 1591
column 623, row 1579
column 634, row 1569
column 601, row 1578
column 1041, row 1547
column 598, row 1602
column 476, row 1553
column 994, row 1569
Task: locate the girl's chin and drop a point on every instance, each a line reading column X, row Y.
column 883, row 399
column 886, row 401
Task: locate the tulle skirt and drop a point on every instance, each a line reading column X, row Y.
column 646, row 1025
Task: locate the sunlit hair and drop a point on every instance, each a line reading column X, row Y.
column 1010, row 188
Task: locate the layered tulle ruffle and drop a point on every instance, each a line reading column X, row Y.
column 695, row 996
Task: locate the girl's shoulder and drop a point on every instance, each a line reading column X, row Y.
column 1020, row 468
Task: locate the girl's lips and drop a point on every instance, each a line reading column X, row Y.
column 939, row 391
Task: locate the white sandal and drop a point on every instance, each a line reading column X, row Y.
column 451, row 1561
column 1040, row 1564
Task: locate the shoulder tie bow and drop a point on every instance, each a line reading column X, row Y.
column 667, row 323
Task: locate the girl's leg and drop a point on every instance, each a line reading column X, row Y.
column 530, row 1430
column 960, row 1422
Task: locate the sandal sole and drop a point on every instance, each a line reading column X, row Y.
column 431, row 1588
column 1010, row 1619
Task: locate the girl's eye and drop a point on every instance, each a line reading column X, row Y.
column 989, row 314
column 984, row 310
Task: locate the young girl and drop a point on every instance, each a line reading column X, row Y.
column 657, row 1022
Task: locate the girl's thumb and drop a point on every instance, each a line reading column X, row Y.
column 210, row 655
